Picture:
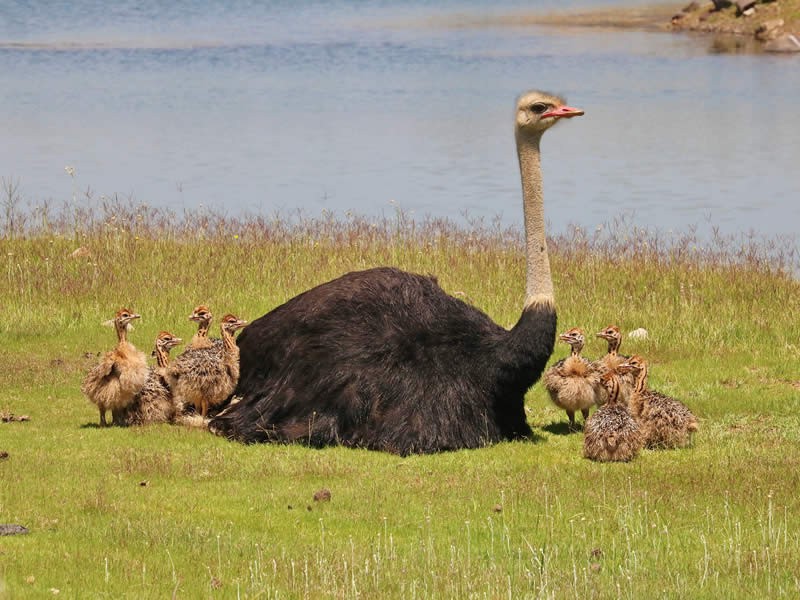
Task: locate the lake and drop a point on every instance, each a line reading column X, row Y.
column 366, row 107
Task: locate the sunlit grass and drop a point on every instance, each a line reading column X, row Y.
column 148, row 512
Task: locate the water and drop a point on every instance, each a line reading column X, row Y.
column 355, row 106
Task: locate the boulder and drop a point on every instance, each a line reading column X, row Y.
column 769, row 30
column 746, row 7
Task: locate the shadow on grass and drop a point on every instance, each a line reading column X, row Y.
column 563, row 428
column 533, row 438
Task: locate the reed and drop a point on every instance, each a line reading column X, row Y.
column 158, row 511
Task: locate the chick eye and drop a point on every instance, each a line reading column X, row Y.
column 539, row 107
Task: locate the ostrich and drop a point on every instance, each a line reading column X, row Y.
column 121, row 373
column 206, row 376
column 386, row 360
column 203, row 317
column 611, row 434
column 155, row 402
column 573, row 381
column 665, row 421
column 611, row 361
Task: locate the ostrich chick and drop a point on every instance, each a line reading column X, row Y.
column 612, row 434
column 121, row 374
column 572, row 381
column 155, row 402
column 665, row 421
column 611, row 361
column 206, row 377
column 202, row 316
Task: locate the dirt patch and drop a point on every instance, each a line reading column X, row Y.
column 648, row 18
column 655, row 17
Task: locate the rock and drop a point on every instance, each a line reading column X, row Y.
column 12, row 529
column 786, row 42
column 769, row 29
column 638, row 334
column 743, row 6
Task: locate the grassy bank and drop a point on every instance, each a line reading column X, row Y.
column 160, row 511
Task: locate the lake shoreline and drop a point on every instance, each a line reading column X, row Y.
column 763, row 25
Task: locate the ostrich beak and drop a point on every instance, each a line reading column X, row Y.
column 564, row 112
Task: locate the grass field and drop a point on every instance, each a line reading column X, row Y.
column 174, row 511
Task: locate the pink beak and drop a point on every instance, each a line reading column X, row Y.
column 564, row 112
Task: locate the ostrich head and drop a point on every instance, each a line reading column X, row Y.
column 538, row 111
column 124, row 317
column 635, row 364
column 231, row 323
column 166, row 341
column 574, row 337
column 612, row 335
column 608, row 380
column 201, row 314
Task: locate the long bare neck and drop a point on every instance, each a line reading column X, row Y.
column 639, row 397
column 613, row 389
column 228, row 342
column 202, row 329
column 538, row 280
column 122, row 332
column 162, row 357
column 200, row 339
column 613, row 346
column 576, row 350
column 641, row 380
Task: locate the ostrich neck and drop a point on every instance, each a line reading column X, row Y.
column 202, row 329
column 162, row 357
column 641, row 380
column 576, row 351
column 613, row 390
column 228, row 341
column 122, row 332
column 538, row 281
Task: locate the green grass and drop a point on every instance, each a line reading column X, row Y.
column 162, row 511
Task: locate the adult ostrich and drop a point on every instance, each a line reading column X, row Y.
column 386, row 360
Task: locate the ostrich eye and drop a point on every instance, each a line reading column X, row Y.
column 539, row 107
